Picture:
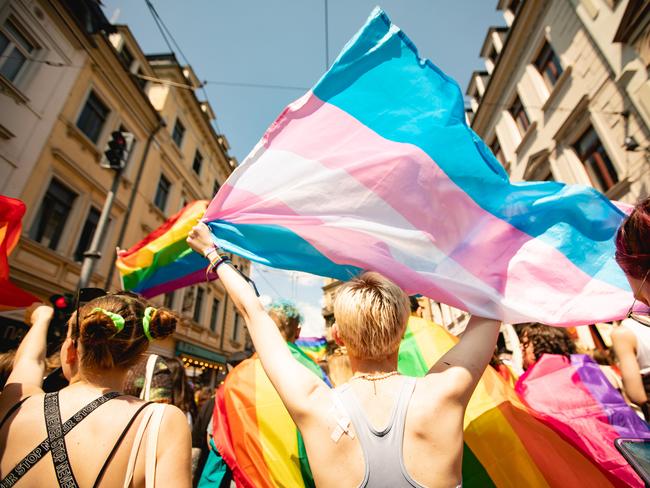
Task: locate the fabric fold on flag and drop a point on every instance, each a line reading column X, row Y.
column 375, row 168
column 508, row 444
column 253, row 431
column 587, row 411
column 11, row 215
column 162, row 261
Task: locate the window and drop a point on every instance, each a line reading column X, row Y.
column 548, row 64
column 15, row 50
column 162, row 193
column 519, row 114
column 597, row 163
column 235, row 328
column 126, row 57
column 188, row 300
column 198, row 161
column 53, row 214
column 198, row 304
column 142, row 83
column 178, row 132
column 87, row 233
column 493, row 55
column 169, row 300
column 514, row 6
column 497, row 151
column 214, row 315
column 215, row 187
column 92, row 117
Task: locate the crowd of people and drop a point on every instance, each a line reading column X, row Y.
column 142, row 423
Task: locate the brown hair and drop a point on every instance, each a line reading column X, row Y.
column 371, row 314
column 548, row 340
column 633, row 241
column 103, row 346
column 287, row 325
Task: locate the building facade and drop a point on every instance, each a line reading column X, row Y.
column 177, row 157
column 565, row 95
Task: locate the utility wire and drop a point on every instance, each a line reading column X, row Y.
column 162, row 27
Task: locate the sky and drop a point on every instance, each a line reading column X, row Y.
column 257, row 56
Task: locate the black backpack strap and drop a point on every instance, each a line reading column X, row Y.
column 29, row 461
column 55, row 436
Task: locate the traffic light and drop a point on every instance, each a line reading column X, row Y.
column 118, row 149
column 63, row 308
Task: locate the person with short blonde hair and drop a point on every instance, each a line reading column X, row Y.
column 371, row 314
column 381, row 428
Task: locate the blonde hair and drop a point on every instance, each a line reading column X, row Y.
column 371, row 313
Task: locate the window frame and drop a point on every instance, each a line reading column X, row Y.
column 13, row 44
column 604, row 180
column 547, row 59
column 198, row 304
column 214, row 314
column 78, row 252
column 168, row 192
column 517, row 110
column 38, row 227
column 181, row 128
column 93, row 94
column 199, row 156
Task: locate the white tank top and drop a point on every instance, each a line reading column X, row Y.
column 642, row 334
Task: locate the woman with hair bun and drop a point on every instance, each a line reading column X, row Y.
column 631, row 341
column 96, row 435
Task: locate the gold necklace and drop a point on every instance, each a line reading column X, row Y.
column 375, row 377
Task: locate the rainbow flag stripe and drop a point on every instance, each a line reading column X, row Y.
column 375, row 168
column 253, row 431
column 163, row 261
column 11, row 215
column 314, row 347
column 507, row 444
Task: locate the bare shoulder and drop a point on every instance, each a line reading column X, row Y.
column 15, row 392
column 174, row 420
column 622, row 336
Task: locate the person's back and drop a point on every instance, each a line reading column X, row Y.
column 96, row 435
column 430, row 421
column 370, row 318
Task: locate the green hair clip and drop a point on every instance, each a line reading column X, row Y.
column 287, row 308
column 117, row 319
column 145, row 322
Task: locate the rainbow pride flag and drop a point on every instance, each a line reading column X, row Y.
column 253, row 431
column 163, row 261
column 11, row 215
column 508, row 444
column 589, row 411
column 375, row 168
column 314, row 347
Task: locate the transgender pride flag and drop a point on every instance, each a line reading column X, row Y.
column 375, row 168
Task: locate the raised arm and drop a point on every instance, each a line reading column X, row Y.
column 294, row 383
column 29, row 363
column 467, row 360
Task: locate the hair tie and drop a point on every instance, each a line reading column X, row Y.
column 145, row 322
column 118, row 320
